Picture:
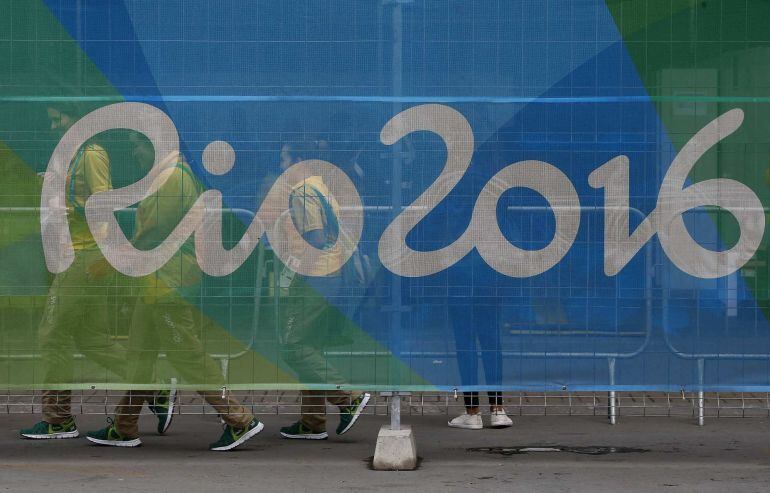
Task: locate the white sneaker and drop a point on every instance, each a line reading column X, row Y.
column 467, row 422
column 498, row 419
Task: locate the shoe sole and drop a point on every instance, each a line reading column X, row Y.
column 115, row 443
column 307, row 436
column 52, row 436
column 466, row 427
column 241, row 440
column 170, row 416
column 358, row 412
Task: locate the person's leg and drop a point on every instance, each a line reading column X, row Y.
column 54, row 332
column 141, row 354
column 308, row 324
column 124, row 430
column 92, row 336
column 72, row 301
column 57, row 348
column 311, row 367
column 487, row 323
column 177, row 330
column 312, row 423
column 241, row 424
column 58, row 421
column 495, row 400
column 471, row 418
column 57, row 406
column 230, row 409
column 94, row 341
column 175, row 322
column 341, row 398
column 128, row 410
column 351, row 404
column 75, row 317
column 55, row 339
column 471, row 400
column 465, row 342
column 498, row 418
column 465, row 346
column 305, row 318
column 314, row 410
column 461, row 316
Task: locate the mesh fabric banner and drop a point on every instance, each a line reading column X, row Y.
column 386, row 195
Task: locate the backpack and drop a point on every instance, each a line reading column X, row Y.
column 357, row 272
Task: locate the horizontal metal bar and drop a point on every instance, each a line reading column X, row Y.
column 247, row 98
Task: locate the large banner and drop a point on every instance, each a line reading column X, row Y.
column 389, row 195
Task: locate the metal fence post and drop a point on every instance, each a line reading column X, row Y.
column 395, row 411
column 612, row 410
column 701, row 400
column 394, row 407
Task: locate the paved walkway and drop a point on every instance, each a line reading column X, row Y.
column 726, row 454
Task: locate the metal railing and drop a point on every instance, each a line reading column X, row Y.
column 702, row 358
column 722, row 405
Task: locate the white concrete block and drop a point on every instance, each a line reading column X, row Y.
column 396, row 450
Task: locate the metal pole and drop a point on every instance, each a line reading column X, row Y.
column 701, row 400
column 394, row 337
column 701, row 413
column 612, row 409
column 395, row 412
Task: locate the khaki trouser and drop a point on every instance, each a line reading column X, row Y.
column 130, row 405
column 314, row 406
column 76, row 318
column 170, row 326
column 309, row 324
column 57, row 406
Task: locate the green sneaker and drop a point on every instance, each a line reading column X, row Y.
column 300, row 431
column 163, row 409
column 45, row 430
column 109, row 436
column 349, row 415
column 233, row 437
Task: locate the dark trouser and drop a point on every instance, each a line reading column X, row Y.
column 476, row 328
column 472, row 399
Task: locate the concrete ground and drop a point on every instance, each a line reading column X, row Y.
column 725, row 455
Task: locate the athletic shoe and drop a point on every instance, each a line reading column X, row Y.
column 110, row 437
column 233, row 437
column 498, row 419
column 45, row 430
column 300, row 431
column 467, row 422
column 163, row 409
column 351, row 413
